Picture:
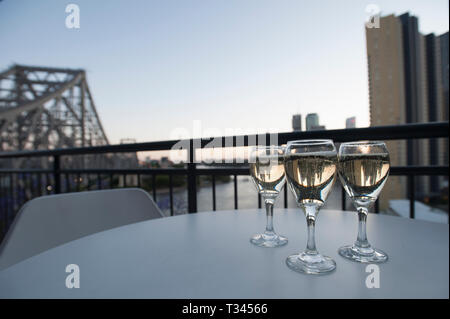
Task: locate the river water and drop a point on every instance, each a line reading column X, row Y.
column 247, row 197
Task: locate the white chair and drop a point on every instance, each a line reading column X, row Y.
column 48, row 221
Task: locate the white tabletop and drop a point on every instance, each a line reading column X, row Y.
column 208, row 255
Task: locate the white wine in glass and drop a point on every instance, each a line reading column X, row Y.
column 267, row 172
column 363, row 170
column 310, row 170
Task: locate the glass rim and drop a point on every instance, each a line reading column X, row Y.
column 365, row 142
column 310, row 142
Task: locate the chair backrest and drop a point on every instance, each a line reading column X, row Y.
column 49, row 221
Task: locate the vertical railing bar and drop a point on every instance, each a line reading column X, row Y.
column 34, row 191
column 47, row 183
column 88, row 180
column 3, row 204
column 78, row 182
column 99, row 181
column 67, row 177
column 259, row 201
column 235, row 192
column 171, row 194
column 39, row 177
column 192, row 179
column 214, row 192
column 44, row 181
column 343, row 198
column 139, row 180
column 285, row 196
column 11, row 189
column 56, row 173
column 111, row 181
column 2, row 209
column 8, row 196
column 3, row 195
column 411, row 188
column 124, row 180
column 30, row 186
column 154, row 186
column 34, row 185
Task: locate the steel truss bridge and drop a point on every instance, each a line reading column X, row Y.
column 43, row 108
column 50, row 108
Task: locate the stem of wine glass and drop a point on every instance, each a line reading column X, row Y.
column 361, row 240
column 311, row 212
column 269, row 212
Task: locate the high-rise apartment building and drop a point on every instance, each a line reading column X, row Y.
column 312, row 120
column 386, row 93
column 297, row 122
column 405, row 86
column 437, row 79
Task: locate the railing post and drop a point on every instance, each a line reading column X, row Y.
column 412, row 197
column 192, row 180
column 56, row 174
column 343, row 199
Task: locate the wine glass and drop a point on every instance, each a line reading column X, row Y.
column 363, row 170
column 267, row 171
column 310, row 170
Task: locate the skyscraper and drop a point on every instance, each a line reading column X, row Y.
column 437, row 80
column 405, row 86
column 386, row 93
column 312, row 120
column 297, row 122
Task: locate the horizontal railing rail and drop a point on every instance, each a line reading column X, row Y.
column 31, row 182
column 391, row 132
column 394, row 170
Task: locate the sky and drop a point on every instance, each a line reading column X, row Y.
column 159, row 69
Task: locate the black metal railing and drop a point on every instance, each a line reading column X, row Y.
column 19, row 185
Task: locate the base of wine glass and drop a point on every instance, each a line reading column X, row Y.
column 269, row 240
column 363, row 255
column 315, row 264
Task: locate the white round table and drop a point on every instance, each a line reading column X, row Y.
column 208, row 255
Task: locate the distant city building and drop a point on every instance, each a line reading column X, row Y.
column 127, row 140
column 312, row 119
column 297, row 122
column 350, row 122
column 165, row 162
column 154, row 163
column 406, row 86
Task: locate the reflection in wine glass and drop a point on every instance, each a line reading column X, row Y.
column 267, row 171
column 310, row 170
column 363, row 170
